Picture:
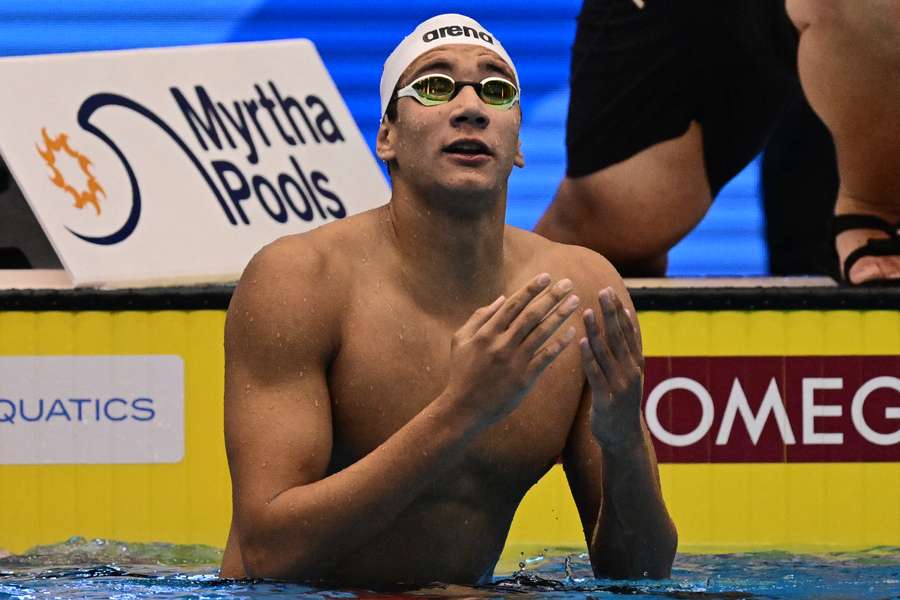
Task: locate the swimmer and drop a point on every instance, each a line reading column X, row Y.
column 395, row 382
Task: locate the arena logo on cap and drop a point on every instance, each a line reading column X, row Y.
column 456, row 31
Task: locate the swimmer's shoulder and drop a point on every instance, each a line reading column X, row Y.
column 321, row 257
column 584, row 266
column 300, row 281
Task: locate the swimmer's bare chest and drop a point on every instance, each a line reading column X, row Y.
column 382, row 377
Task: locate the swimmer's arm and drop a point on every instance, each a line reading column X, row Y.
column 614, row 478
column 294, row 521
column 623, row 516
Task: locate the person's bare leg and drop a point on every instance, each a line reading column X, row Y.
column 849, row 61
column 634, row 211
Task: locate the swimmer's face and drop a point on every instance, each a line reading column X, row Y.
column 463, row 145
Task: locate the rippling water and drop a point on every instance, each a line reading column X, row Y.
column 106, row 569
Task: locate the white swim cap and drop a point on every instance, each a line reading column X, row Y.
column 436, row 31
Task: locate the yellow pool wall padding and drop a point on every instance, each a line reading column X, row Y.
column 717, row 507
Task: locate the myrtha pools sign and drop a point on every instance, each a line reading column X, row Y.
column 178, row 164
column 91, row 409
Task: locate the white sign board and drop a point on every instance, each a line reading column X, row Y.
column 91, row 409
column 178, row 164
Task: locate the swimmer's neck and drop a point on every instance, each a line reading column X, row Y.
column 446, row 256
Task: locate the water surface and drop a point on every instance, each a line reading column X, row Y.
column 95, row 569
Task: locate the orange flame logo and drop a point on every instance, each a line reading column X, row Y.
column 52, row 146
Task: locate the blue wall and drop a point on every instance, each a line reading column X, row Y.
column 354, row 37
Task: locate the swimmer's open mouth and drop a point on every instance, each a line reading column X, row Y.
column 468, row 147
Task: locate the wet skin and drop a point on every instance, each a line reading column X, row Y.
column 396, row 381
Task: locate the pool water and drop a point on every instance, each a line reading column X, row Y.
column 107, row 569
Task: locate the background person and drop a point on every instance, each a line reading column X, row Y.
column 799, row 184
column 669, row 102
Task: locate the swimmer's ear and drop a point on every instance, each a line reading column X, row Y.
column 519, row 159
column 384, row 142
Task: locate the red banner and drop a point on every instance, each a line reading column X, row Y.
column 774, row 409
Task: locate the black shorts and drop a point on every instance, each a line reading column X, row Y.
column 640, row 76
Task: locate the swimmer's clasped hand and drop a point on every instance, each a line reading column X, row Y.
column 498, row 354
column 614, row 365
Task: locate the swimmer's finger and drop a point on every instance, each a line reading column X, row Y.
column 615, row 337
column 596, row 340
column 546, row 355
column 480, row 317
column 592, row 370
column 538, row 312
column 549, row 324
column 518, row 301
column 623, row 338
column 629, row 326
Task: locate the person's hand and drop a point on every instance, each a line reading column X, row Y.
column 612, row 360
column 498, row 354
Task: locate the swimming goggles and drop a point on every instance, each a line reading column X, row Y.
column 434, row 89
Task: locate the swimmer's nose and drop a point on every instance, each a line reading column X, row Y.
column 469, row 109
